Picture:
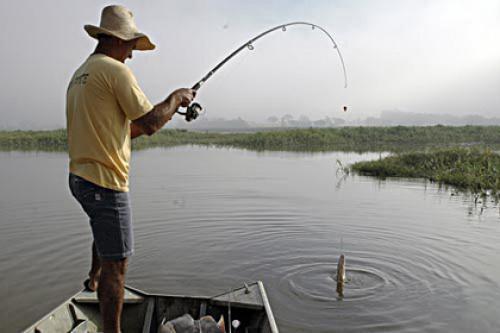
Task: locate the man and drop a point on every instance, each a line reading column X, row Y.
column 105, row 109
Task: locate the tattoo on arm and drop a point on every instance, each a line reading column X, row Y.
column 154, row 120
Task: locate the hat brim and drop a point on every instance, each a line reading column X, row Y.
column 143, row 41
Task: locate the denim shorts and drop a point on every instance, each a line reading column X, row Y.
column 110, row 217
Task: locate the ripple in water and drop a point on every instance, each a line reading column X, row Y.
column 317, row 282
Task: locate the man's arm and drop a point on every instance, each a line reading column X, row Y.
column 154, row 120
column 135, row 131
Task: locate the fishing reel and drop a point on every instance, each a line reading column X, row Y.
column 192, row 111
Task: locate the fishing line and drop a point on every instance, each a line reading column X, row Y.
column 193, row 110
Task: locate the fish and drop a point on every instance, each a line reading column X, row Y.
column 341, row 269
column 341, row 275
column 186, row 324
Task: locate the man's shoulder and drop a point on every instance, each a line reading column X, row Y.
column 107, row 64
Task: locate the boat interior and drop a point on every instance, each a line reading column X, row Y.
column 144, row 312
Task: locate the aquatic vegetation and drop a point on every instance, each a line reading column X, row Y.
column 33, row 140
column 359, row 139
column 342, row 169
column 473, row 169
column 331, row 139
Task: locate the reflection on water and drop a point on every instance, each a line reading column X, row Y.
column 417, row 257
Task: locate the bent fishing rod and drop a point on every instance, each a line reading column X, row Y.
column 193, row 110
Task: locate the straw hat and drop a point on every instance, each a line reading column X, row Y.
column 118, row 21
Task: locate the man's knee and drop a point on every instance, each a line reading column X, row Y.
column 112, row 280
column 114, row 267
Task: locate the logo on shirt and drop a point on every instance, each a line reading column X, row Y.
column 80, row 80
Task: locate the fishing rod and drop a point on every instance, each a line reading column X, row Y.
column 193, row 110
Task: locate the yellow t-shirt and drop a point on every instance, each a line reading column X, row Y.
column 102, row 98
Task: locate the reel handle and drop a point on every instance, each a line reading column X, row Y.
column 192, row 111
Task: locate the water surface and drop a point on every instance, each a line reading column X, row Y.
column 206, row 219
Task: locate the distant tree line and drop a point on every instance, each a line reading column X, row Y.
column 387, row 118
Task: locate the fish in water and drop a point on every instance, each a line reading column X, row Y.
column 186, row 324
column 341, row 275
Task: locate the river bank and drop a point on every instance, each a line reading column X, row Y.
column 359, row 139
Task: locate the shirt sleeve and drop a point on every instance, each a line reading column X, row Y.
column 130, row 96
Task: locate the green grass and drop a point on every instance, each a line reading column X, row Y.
column 326, row 139
column 472, row 169
column 33, row 140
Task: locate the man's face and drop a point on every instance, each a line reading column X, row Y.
column 127, row 47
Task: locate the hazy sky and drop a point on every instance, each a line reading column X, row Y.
column 439, row 56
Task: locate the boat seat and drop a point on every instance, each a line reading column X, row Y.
column 81, row 327
column 247, row 297
column 91, row 297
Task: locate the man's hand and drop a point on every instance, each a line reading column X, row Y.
column 162, row 112
column 183, row 96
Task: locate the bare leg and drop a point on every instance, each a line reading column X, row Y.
column 110, row 293
column 95, row 270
